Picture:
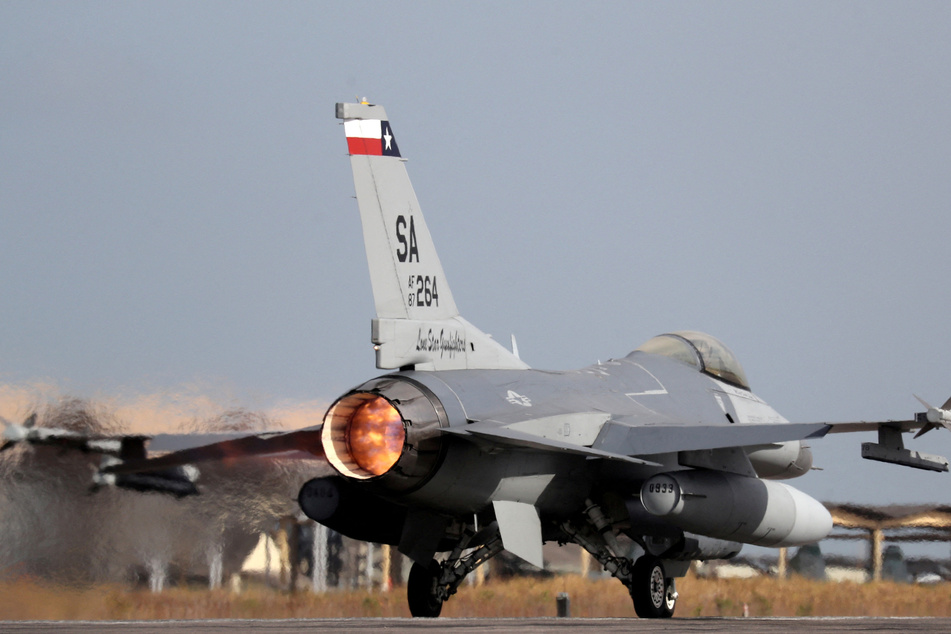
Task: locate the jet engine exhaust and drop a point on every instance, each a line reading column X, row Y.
column 366, row 435
column 386, row 432
column 735, row 507
column 375, row 436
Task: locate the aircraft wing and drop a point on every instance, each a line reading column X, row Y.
column 924, row 422
column 628, row 439
column 495, row 433
column 891, row 445
column 624, row 440
column 624, row 436
column 844, row 427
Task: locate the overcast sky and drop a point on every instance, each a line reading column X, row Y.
column 176, row 200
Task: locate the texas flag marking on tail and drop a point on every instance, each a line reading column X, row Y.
column 370, row 136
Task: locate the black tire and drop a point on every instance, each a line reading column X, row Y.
column 651, row 590
column 421, row 591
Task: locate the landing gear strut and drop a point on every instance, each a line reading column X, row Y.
column 652, row 591
column 430, row 585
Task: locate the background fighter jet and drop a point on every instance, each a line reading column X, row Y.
column 648, row 461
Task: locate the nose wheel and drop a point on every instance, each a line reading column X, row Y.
column 653, row 593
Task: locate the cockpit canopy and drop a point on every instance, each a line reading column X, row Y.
column 702, row 351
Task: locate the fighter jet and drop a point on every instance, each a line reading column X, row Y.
column 460, row 450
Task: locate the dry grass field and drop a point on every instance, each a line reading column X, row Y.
column 511, row 598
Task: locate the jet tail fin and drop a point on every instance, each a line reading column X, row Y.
column 417, row 322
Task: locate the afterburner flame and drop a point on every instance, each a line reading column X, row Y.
column 375, row 436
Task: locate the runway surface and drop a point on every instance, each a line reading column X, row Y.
column 732, row 625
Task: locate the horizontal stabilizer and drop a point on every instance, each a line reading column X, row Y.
column 183, row 449
column 29, row 434
column 243, row 446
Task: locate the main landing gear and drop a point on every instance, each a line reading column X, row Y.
column 430, row 585
column 654, row 593
column 423, row 590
